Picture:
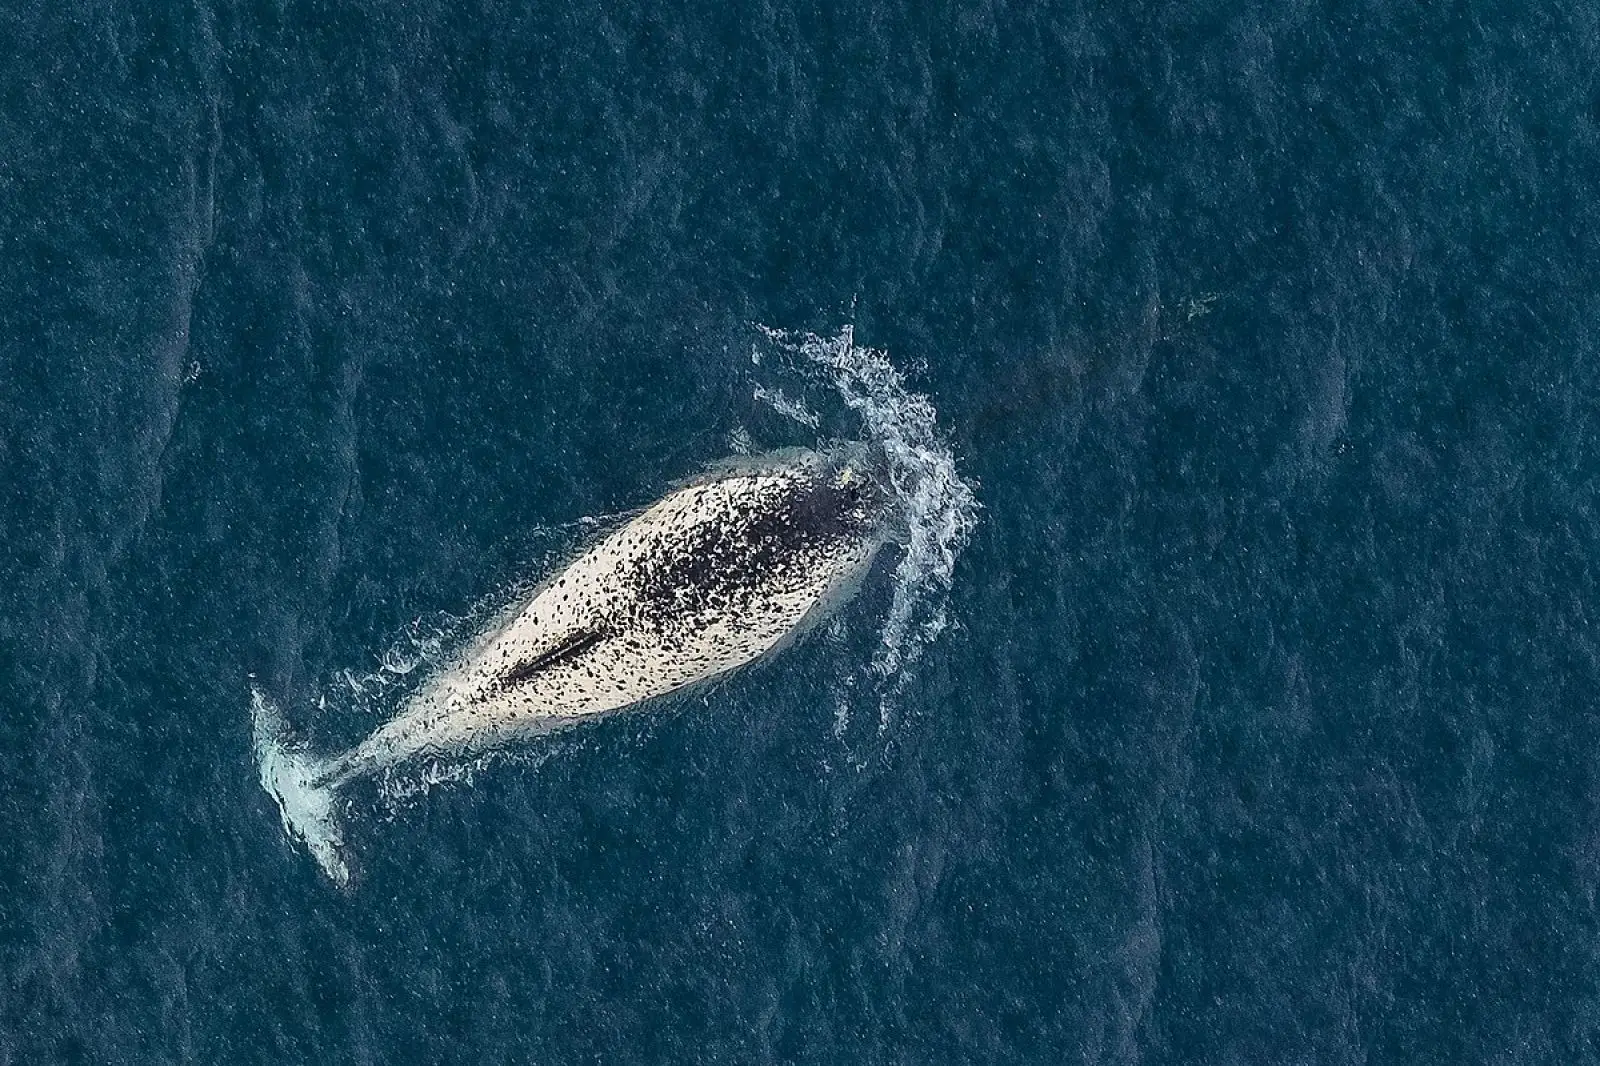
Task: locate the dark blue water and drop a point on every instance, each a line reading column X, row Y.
column 1264, row 729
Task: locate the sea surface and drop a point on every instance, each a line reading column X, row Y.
column 1230, row 695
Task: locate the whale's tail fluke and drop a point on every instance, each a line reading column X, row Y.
column 301, row 784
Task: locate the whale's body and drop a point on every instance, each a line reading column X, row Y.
column 711, row 578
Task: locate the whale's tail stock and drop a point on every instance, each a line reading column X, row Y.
column 303, row 787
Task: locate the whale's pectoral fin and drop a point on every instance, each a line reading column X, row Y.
column 299, row 783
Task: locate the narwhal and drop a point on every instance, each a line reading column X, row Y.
column 719, row 573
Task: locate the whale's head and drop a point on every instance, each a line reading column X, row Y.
column 845, row 496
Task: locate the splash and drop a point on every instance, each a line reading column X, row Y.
column 790, row 409
column 939, row 508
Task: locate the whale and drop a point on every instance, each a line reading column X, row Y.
column 723, row 571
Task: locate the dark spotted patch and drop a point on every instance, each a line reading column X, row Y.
column 780, row 535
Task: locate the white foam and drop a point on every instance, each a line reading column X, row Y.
column 790, row 409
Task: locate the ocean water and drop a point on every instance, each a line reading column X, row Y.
column 1246, row 713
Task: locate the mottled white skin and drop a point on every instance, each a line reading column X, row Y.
column 710, row 579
